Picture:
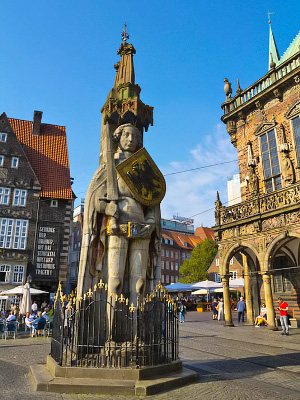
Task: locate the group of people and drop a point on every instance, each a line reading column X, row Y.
column 34, row 320
column 218, row 309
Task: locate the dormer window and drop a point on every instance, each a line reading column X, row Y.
column 3, row 137
column 15, row 162
column 1, row 161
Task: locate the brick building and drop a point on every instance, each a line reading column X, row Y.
column 235, row 269
column 263, row 122
column 35, row 203
column 177, row 242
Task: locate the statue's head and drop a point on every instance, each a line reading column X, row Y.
column 128, row 138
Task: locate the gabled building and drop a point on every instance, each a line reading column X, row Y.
column 263, row 122
column 35, row 203
column 235, row 269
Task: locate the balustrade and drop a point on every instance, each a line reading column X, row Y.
column 258, row 205
column 261, row 85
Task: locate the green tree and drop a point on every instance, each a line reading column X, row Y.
column 195, row 269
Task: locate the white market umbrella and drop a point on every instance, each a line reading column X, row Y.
column 26, row 300
column 206, row 285
column 236, row 283
column 19, row 291
column 199, row 291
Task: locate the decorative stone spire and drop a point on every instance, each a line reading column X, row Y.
column 273, row 51
column 123, row 104
column 218, row 202
column 239, row 89
column 125, row 68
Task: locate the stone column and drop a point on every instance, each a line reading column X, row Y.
column 248, row 291
column 269, row 301
column 227, row 306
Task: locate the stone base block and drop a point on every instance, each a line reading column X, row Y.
column 145, row 381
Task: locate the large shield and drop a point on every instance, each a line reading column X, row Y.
column 143, row 178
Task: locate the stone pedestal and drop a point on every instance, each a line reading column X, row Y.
column 144, row 381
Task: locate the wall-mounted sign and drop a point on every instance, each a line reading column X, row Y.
column 46, row 255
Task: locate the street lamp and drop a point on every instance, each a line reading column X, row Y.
column 29, row 279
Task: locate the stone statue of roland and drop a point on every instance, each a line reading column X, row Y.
column 129, row 264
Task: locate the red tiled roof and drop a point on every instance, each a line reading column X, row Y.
column 48, row 156
column 204, row 233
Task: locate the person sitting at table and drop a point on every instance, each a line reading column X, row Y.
column 39, row 324
column 29, row 319
column 11, row 317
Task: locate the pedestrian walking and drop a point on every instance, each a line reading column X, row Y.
column 283, row 309
column 241, row 307
column 182, row 311
column 221, row 310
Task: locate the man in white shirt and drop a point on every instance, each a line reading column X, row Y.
column 34, row 307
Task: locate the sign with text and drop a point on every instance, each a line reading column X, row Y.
column 47, row 252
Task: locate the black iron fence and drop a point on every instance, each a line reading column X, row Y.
column 102, row 330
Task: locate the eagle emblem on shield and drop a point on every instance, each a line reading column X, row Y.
column 143, row 178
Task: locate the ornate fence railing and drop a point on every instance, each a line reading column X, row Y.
column 259, row 205
column 107, row 332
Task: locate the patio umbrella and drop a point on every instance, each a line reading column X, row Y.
column 206, row 285
column 26, row 300
column 236, row 283
column 19, row 291
column 178, row 287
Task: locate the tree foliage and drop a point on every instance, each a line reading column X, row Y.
column 195, row 269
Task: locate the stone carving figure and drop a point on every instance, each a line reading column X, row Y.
column 127, row 264
column 287, row 168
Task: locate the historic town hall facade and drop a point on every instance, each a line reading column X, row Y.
column 263, row 122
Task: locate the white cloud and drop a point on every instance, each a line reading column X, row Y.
column 194, row 192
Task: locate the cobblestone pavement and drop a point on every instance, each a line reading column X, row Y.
column 237, row 363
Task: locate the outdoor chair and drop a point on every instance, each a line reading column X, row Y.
column 11, row 327
column 49, row 327
column 2, row 327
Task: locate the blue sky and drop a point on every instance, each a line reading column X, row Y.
column 58, row 57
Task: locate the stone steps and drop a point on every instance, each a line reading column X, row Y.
column 44, row 381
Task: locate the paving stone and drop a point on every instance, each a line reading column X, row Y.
column 238, row 363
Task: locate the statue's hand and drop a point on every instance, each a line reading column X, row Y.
column 112, row 210
column 146, row 231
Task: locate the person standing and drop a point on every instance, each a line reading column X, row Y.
column 221, row 310
column 182, row 311
column 241, row 307
column 34, row 308
column 214, row 309
column 283, row 309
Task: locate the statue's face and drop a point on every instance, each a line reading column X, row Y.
column 129, row 139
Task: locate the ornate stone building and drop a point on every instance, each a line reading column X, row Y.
column 263, row 122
